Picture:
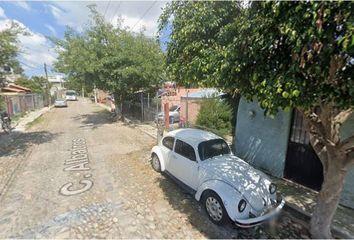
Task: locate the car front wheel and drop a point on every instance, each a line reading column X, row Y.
column 155, row 163
column 214, row 208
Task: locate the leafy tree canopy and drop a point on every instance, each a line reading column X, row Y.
column 37, row 84
column 109, row 57
column 9, row 50
column 284, row 54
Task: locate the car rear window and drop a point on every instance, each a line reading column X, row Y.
column 168, row 142
column 212, row 148
column 173, row 108
column 185, row 150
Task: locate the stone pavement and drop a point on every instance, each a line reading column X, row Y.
column 298, row 197
column 128, row 199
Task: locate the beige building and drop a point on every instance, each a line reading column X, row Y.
column 57, row 83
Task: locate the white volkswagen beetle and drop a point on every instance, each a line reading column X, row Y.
column 227, row 186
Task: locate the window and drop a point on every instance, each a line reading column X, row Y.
column 185, row 150
column 168, row 142
column 174, row 108
column 212, row 148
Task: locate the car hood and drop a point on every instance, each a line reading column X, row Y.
column 251, row 183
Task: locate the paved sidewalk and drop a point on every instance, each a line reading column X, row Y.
column 20, row 125
column 303, row 200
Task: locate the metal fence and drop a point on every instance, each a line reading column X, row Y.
column 18, row 104
column 142, row 107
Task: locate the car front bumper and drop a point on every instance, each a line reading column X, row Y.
column 251, row 222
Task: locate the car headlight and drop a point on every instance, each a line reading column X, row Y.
column 272, row 188
column 242, row 205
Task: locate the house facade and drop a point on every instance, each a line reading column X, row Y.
column 280, row 146
column 57, row 83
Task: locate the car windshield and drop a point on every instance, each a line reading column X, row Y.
column 173, row 108
column 70, row 93
column 212, row 148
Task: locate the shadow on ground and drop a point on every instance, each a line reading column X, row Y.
column 94, row 120
column 100, row 118
column 181, row 200
column 184, row 202
column 17, row 142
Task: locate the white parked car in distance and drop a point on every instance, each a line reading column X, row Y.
column 228, row 187
column 174, row 113
column 60, row 103
column 71, row 95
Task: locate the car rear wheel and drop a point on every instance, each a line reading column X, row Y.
column 155, row 163
column 214, row 208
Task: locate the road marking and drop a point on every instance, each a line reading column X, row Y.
column 78, row 162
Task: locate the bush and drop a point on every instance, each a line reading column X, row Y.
column 215, row 115
column 2, row 104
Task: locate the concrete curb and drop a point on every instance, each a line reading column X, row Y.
column 25, row 120
column 306, row 217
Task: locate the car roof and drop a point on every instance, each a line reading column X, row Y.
column 193, row 136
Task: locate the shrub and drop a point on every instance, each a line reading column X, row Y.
column 215, row 115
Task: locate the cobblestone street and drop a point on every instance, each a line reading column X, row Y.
column 108, row 192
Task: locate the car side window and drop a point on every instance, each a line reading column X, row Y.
column 168, row 142
column 185, row 150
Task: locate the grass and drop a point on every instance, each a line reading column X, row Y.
column 16, row 117
column 34, row 122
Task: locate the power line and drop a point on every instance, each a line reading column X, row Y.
column 31, row 67
column 26, row 64
column 116, row 10
column 109, row 2
column 147, row 10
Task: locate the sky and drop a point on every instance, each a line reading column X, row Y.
column 43, row 19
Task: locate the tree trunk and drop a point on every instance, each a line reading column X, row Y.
column 328, row 199
column 335, row 155
column 122, row 108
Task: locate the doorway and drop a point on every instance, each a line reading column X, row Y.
column 302, row 164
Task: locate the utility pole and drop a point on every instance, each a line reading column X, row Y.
column 95, row 92
column 47, row 84
column 46, row 72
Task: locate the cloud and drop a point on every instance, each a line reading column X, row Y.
column 51, row 29
column 2, row 13
column 141, row 14
column 23, row 5
column 35, row 48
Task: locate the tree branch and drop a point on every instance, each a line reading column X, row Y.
column 350, row 158
column 342, row 116
column 347, row 143
column 315, row 126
